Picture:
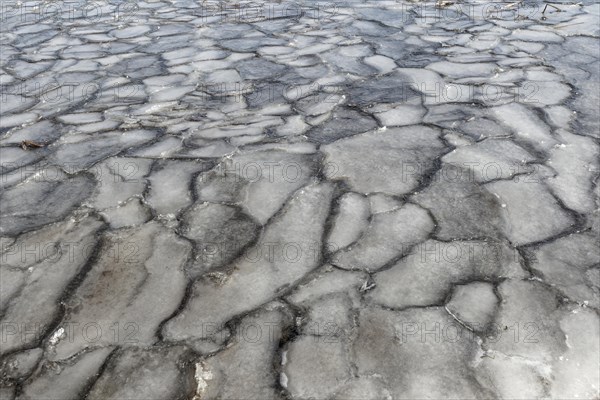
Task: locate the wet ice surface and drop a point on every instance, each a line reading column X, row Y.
column 359, row 200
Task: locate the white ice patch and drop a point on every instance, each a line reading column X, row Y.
column 201, row 375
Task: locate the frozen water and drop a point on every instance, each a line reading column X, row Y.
column 342, row 123
column 22, row 210
column 433, row 267
column 66, row 380
column 219, row 231
column 316, row 364
column 135, row 265
column 473, row 304
column 350, row 221
column 461, row 208
column 566, row 264
column 135, row 372
column 524, row 203
column 402, row 155
column 438, row 368
column 294, row 200
column 491, row 159
column 575, row 161
column 263, row 270
column 401, row 115
column 388, row 236
column 534, row 319
column 32, row 284
column 525, row 125
column 223, row 371
column 169, row 185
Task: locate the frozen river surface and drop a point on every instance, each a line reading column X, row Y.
column 350, row 200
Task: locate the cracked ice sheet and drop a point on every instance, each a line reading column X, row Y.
column 284, row 200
